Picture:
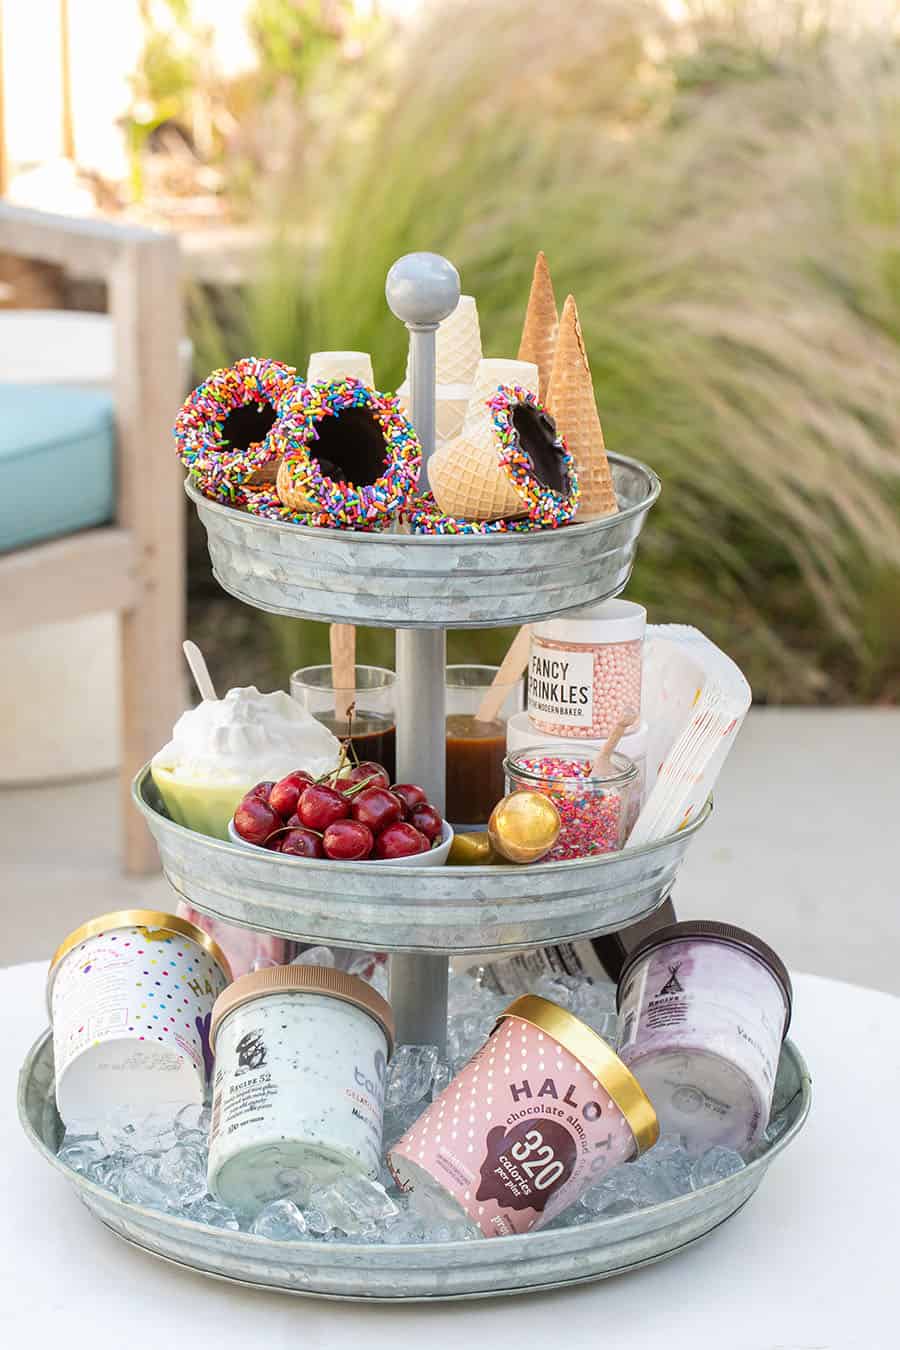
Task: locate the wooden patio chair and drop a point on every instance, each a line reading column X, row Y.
column 134, row 564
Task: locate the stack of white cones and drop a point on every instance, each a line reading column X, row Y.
column 457, row 354
column 328, row 367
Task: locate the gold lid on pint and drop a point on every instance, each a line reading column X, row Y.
column 152, row 919
column 597, row 1057
column 304, row 980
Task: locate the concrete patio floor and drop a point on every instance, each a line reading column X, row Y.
column 802, row 849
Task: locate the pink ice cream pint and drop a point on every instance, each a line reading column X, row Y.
column 130, row 998
column 536, row 1116
column 703, row 1010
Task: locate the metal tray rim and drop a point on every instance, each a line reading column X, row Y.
column 654, row 488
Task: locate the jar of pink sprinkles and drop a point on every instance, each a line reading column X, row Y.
column 596, row 811
column 585, row 669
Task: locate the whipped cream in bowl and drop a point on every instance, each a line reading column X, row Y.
column 221, row 748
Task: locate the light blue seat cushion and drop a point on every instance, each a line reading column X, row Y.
column 57, row 461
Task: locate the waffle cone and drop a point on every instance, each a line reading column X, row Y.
column 571, row 402
column 539, row 334
column 290, row 494
column 467, row 481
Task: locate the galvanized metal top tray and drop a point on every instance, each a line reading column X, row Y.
column 417, row 581
column 544, row 1260
column 413, row 909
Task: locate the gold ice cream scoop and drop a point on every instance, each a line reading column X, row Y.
column 471, row 850
column 524, row 826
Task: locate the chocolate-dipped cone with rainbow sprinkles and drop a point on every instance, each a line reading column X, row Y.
column 349, row 456
column 223, row 433
column 509, row 464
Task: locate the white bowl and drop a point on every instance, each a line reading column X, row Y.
column 435, row 857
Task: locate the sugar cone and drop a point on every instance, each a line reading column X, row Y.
column 493, row 372
column 571, row 402
column 467, row 481
column 541, row 325
column 327, row 366
column 290, row 494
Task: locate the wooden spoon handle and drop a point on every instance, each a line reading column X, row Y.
column 342, row 640
column 511, row 668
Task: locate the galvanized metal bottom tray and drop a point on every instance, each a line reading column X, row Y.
column 416, row 581
column 394, row 1274
column 413, row 909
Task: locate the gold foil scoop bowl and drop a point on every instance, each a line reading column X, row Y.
column 524, row 826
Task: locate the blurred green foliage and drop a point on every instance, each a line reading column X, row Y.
column 722, row 197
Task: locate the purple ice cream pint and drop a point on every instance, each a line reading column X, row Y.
column 130, row 996
column 542, row 1110
column 703, row 1010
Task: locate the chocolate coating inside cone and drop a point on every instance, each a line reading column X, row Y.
column 247, row 425
column 350, row 447
column 538, row 440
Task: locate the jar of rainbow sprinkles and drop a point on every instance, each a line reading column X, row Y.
column 597, row 810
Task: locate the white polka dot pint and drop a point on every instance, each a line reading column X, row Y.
column 301, row 1054
column 536, row 1117
column 703, row 1009
column 585, row 669
column 130, row 997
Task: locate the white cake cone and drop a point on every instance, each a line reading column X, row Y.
column 327, row 366
column 493, row 372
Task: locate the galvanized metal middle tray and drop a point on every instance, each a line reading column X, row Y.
column 413, row 909
column 392, row 1274
column 416, row 581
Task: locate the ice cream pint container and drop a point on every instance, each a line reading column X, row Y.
column 537, row 1115
column 301, row 1054
column 584, row 672
column 703, row 1009
column 130, row 997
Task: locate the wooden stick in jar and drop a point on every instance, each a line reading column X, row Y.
column 342, row 640
column 511, row 669
column 602, row 765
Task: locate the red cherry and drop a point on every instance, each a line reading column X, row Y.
column 410, row 795
column 261, row 790
column 295, row 822
column 302, row 844
column 377, row 808
column 427, row 821
column 400, row 840
column 321, row 806
column 286, row 792
column 274, row 842
column 367, row 768
column 255, row 820
column 348, row 841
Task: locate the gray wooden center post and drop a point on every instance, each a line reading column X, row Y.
column 422, row 289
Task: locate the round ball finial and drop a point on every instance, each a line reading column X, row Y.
column 422, row 288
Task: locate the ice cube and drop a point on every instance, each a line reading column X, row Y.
column 106, row 1173
column 154, row 1133
column 715, row 1165
column 316, row 1220
column 81, row 1153
column 315, row 956
column 209, row 1211
column 354, row 1205
column 182, row 1170
column 443, row 1075
column 281, row 1221
column 140, row 1183
column 193, row 1119
column 410, row 1074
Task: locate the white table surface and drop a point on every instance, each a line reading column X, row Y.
column 811, row 1263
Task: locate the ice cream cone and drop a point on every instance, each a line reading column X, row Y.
column 457, row 344
column 541, row 325
column 507, row 463
column 467, row 481
column 571, row 402
column 493, row 372
column 327, row 366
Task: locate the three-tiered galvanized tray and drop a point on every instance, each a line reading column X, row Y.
column 420, row 586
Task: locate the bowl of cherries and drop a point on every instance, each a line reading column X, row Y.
column 352, row 815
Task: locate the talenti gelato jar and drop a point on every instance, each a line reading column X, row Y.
column 301, row 1053
column 536, row 1116
column 703, row 1009
column 130, row 997
column 585, row 669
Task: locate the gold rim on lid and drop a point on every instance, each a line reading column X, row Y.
column 304, row 980
column 592, row 1051
column 137, row 918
